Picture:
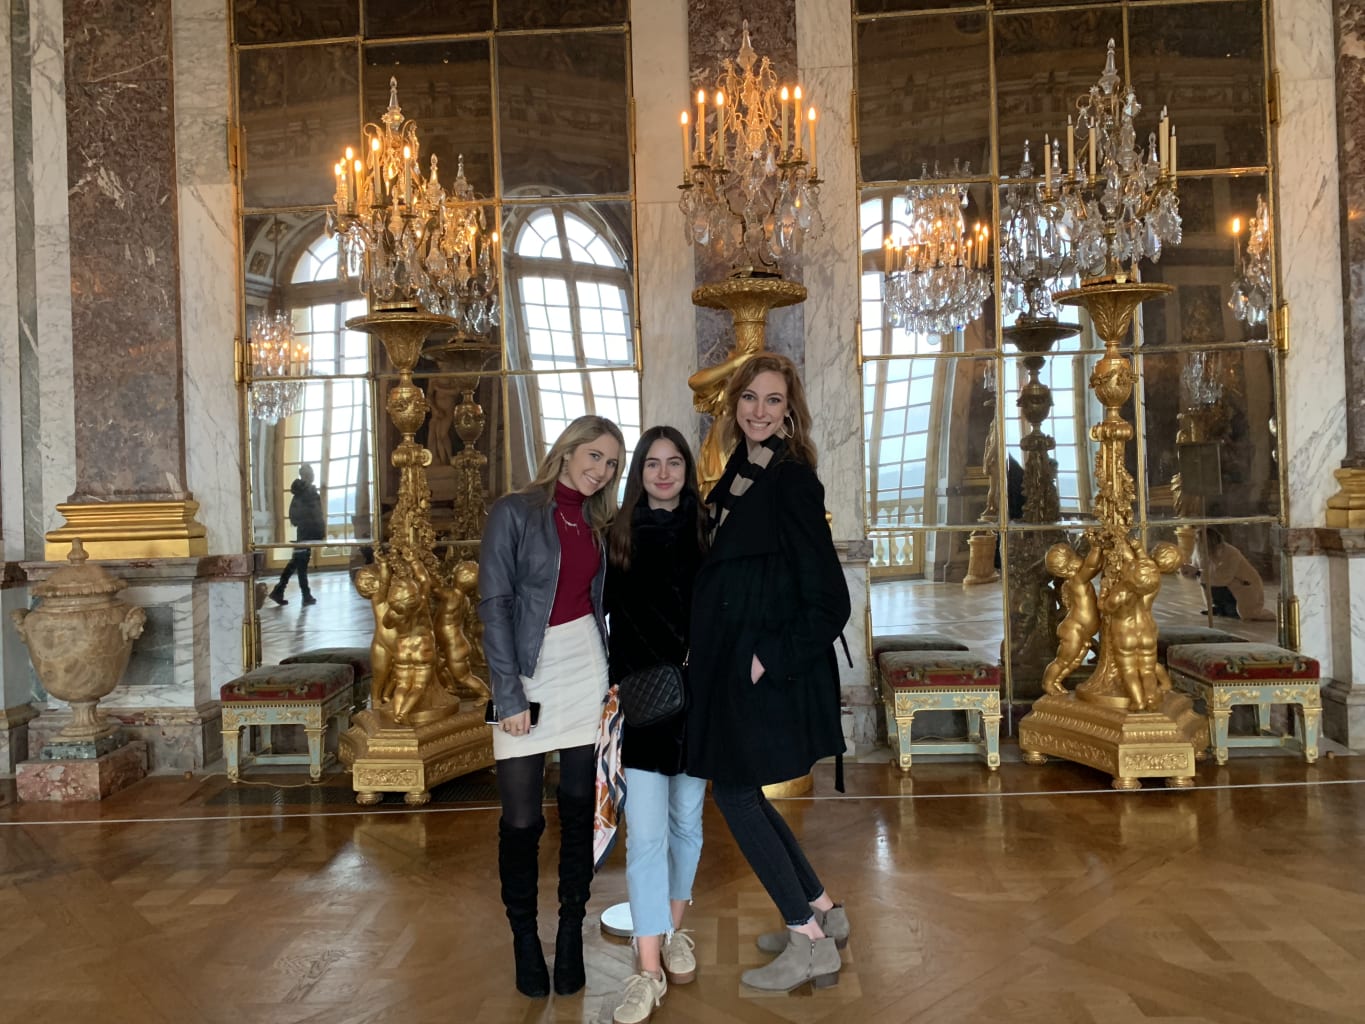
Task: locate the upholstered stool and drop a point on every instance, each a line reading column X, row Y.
column 357, row 657
column 914, row 642
column 1179, row 636
column 913, row 682
column 1264, row 675
column 310, row 695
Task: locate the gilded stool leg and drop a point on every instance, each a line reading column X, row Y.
column 315, row 752
column 266, row 739
column 974, row 724
column 904, row 726
column 1263, row 716
column 991, row 725
column 1220, row 718
column 232, row 743
column 1312, row 725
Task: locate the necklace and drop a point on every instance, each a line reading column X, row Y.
column 565, row 520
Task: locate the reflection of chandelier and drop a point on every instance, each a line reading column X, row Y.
column 1120, row 204
column 408, row 241
column 1250, row 300
column 276, row 357
column 750, row 190
column 936, row 278
column 1035, row 247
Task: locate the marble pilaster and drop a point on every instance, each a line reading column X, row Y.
column 207, row 245
column 664, row 260
column 824, row 38
column 125, row 277
column 1350, row 83
column 16, row 672
column 11, row 423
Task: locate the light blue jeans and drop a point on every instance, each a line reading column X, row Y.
column 663, row 845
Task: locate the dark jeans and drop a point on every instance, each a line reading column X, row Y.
column 770, row 848
column 297, row 564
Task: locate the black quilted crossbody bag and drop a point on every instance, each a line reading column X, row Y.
column 652, row 694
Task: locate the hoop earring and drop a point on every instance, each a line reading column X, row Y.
column 790, row 430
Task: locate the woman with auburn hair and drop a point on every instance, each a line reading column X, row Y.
column 656, row 546
column 769, row 603
column 542, row 568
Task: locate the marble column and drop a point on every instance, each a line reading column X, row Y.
column 127, row 385
column 664, row 260
column 824, row 37
column 1321, row 48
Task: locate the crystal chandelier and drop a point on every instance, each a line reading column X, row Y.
column 1035, row 245
column 1120, row 204
column 750, row 190
column 1251, row 290
column 408, row 241
column 276, row 357
column 937, row 278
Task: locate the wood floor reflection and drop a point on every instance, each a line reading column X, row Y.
column 1037, row 894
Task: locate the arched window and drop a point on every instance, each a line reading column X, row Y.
column 330, row 432
column 571, row 326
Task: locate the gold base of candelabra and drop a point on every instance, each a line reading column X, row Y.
column 385, row 757
column 1346, row 508
column 1129, row 745
column 981, row 559
column 749, row 299
column 129, row 529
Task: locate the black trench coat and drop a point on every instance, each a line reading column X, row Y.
column 772, row 586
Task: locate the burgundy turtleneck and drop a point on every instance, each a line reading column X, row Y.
column 579, row 557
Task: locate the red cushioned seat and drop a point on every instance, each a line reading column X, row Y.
column 910, row 669
column 289, row 682
column 1241, row 662
column 914, row 642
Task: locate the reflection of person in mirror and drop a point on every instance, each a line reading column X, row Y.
column 1234, row 584
column 441, row 396
column 305, row 512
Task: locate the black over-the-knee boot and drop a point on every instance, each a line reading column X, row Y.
column 519, row 872
column 575, row 881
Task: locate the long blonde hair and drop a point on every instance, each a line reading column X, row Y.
column 798, row 439
column 600, row 508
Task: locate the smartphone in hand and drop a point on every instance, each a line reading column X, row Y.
column 490, row 714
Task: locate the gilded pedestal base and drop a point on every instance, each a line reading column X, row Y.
column 1129, row 745
column 1346, row 508
column 981, row 559
column 411, row 758
column 129, row 529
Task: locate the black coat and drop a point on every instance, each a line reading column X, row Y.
column 771, row 585
column 649, row 606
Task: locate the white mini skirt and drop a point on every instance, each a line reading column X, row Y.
column 569, row 685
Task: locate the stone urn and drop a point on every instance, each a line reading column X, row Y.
column 80, row 638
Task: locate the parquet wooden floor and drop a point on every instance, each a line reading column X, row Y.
column 1037, row 894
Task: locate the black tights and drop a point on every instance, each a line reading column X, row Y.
column 521, row 783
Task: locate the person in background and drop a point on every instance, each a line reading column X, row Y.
column 305, row 512
column 655, row 548
column 769, row 604
column 541, row 574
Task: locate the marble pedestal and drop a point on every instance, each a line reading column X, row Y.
column 190, row 646
column 73, row 779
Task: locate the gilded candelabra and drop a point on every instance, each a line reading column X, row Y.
column 1124, row 719
column 425, row 724
column 750, row 189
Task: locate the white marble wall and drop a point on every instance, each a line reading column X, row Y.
column 663, row 260
column 56, row 423
column 208, row 258
column 1310, row 256
column 11, row 428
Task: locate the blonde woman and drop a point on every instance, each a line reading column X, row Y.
column 541, row 573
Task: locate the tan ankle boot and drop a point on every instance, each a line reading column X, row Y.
column 804, row 959
column 833, row 922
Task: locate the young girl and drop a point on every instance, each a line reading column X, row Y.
column 541, row 574
column 655, row 548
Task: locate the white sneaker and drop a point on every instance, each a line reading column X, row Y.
column 679, row 961
column 640, row 998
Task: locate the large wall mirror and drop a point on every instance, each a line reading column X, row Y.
column 958, row 528
column 535, row 105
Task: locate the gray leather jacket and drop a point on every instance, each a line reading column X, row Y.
column 518, row 571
